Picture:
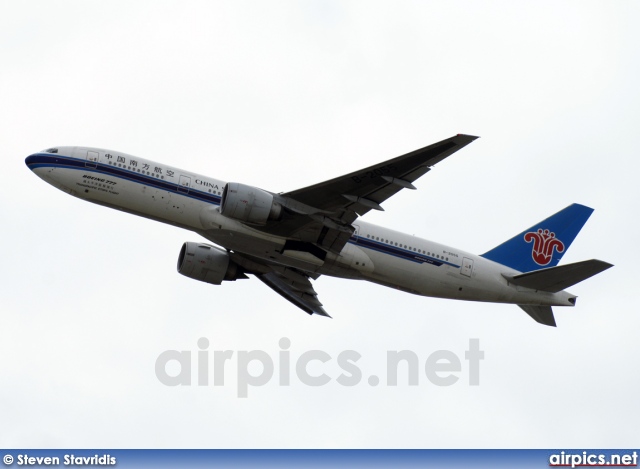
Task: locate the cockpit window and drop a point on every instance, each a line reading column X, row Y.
column 51, row 150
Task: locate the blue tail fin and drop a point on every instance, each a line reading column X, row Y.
column 544, row 244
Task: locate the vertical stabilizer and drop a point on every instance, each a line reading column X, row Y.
column 544, row 244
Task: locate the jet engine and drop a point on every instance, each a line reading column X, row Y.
column 207, row 263
column 249, row 204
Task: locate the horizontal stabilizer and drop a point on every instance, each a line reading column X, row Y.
column 555, row 279
column 542, row 314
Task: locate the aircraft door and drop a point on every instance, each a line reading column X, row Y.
column 467, row 267
column 356, row 233
column 184, row 184
column 92, row 159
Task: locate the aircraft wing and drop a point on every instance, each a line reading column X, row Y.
column 322, row 214
column 292, row 284
column 296, row 288
column 358, row 192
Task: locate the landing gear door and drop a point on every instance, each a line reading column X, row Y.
column 467, row 267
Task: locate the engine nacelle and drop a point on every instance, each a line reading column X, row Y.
column 207, row 263
column 249, row 204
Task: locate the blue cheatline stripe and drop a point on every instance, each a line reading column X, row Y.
column 47, row 160
column 44, row 160
column 398, row 252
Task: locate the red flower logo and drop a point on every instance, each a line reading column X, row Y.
column 544, row 242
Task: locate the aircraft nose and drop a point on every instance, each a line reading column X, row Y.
column 31, row 160
column 37, row 159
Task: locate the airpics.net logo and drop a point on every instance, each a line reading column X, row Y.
column 254, row 368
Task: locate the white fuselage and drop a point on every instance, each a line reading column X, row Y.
column 191, row 201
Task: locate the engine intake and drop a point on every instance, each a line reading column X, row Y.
column 207, row 263
column 249, row 204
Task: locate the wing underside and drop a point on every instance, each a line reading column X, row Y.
column 358, row 192
column 322, row 214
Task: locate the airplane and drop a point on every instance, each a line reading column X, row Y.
column 288, row 239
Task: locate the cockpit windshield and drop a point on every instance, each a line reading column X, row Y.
column 51, row 150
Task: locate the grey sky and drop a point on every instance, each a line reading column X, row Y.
column 283, row 95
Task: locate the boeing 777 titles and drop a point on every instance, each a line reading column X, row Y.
column 288, row 239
